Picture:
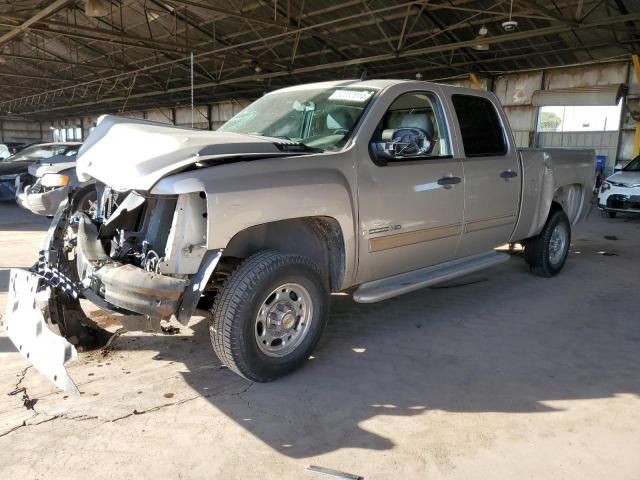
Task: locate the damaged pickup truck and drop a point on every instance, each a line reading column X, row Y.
column 376, row 188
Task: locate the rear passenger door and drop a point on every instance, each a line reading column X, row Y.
column 491, row 172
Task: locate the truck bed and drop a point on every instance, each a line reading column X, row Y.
column 553, row 174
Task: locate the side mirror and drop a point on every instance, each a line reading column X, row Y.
column 406, row 143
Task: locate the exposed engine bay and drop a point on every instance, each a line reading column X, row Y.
column 151, row 231
column 138, row 252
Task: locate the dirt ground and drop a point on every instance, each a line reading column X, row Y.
column 510, row 376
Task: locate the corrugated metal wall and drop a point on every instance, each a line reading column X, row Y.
column 204, row 117
column 19, row 131
column 604, row 143
column 515, row 93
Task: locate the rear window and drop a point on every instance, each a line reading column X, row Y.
column 482, row 133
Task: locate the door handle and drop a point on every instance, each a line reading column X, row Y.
column 448, row 182
column 508, row 174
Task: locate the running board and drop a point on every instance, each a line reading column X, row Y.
column 408, row 282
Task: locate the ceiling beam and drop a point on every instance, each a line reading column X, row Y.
column 540, row 32
column 60, row 62
column 42, row 14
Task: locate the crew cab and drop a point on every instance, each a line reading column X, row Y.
column 375, row 188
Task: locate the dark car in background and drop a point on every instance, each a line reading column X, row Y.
column 16, row 165
column 50, row 181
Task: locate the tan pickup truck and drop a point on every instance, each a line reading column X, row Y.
column 376, row 188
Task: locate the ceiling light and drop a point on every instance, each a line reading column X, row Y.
column 480, row 44
column 96, row 8
column 510, row 25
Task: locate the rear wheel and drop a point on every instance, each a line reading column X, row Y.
column 547, row 253
column 269, row 315
column 612, row 214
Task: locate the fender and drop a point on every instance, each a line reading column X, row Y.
column 246, row 194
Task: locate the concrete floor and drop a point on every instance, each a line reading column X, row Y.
column 513, row 376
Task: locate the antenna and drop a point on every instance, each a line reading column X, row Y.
column 191, row 89
column 363, row 76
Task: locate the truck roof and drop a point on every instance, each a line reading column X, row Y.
column 377, row 84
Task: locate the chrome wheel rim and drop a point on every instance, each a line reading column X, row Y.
column 557, row 244
column 283, row 320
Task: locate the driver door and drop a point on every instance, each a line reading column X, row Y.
column 411, row 206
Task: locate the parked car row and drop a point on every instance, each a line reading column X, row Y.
column 39, row 176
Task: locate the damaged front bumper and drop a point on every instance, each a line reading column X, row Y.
column 123, row 286
column 44, row 202
column 45, row 301
column 27, row 328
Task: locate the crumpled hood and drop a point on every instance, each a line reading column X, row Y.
column 131, row 154
column 55, row 164
column 626, row 179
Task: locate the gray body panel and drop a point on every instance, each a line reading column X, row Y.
column 485, row 209
column 391, row 218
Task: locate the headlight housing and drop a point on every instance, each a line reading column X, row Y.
column 55, row 180
column 605, row 186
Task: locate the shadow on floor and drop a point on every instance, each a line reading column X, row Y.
column 492, row 346
column 6, row 345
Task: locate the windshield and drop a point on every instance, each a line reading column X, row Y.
column 317, row 117
column 38, row 152
column 633, row 165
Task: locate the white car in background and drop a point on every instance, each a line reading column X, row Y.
column 4, row 152
column 621, row 191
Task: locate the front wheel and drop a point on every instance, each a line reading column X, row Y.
column 547, row 253
column 269, row 315
column 85, row 200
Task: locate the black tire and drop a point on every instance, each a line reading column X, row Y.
column 537, row 249
column 83, row 197
column 612, row 214
column 238, row 303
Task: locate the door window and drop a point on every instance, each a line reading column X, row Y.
column 480, row 126
column 410, row 120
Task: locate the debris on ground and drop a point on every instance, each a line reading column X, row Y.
column 610, row 237
column 608, row 254
column 106, row 350
column 333, row 473
column 169, row 330
column 27, row 402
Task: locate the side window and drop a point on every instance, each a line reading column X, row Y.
column 413, row 128
column 480, row 126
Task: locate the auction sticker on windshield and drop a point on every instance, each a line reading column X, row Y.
column 351, row 95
